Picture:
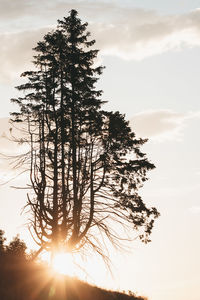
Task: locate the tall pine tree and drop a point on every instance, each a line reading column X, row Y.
column 86, row 165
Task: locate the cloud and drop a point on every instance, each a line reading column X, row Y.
column 126, row 32
column 137, row 33
column 161, row 125
column 16, row 52
column 13, row 9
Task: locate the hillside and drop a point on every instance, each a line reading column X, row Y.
column 30, row 281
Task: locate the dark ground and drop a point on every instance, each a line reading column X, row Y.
column 21, row 280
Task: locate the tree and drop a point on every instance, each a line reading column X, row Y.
column 14, row 252
column 2, row 240
column 86, row 165
column 16, row 248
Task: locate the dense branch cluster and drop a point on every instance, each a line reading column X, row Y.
column 85, row 163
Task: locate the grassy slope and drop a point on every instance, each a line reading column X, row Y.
column 29, row 281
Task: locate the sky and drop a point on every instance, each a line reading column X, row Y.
column 151, row 50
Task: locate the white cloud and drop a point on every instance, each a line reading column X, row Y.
column 161, row 125
column 137, row 34
column 127, row 32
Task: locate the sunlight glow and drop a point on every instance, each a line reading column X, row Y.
column 63, row 263
column 89, row 269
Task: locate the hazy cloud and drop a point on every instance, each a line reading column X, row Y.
column 14, row 9
column 127, row 32
column 161, row 124
column 16, row 52
column 137, row 34
column 11, row 10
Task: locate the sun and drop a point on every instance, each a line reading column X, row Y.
column 63, row 263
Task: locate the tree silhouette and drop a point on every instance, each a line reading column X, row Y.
column 86, row 165
column 16, row 248
column 2, row 240
column 13, row 253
